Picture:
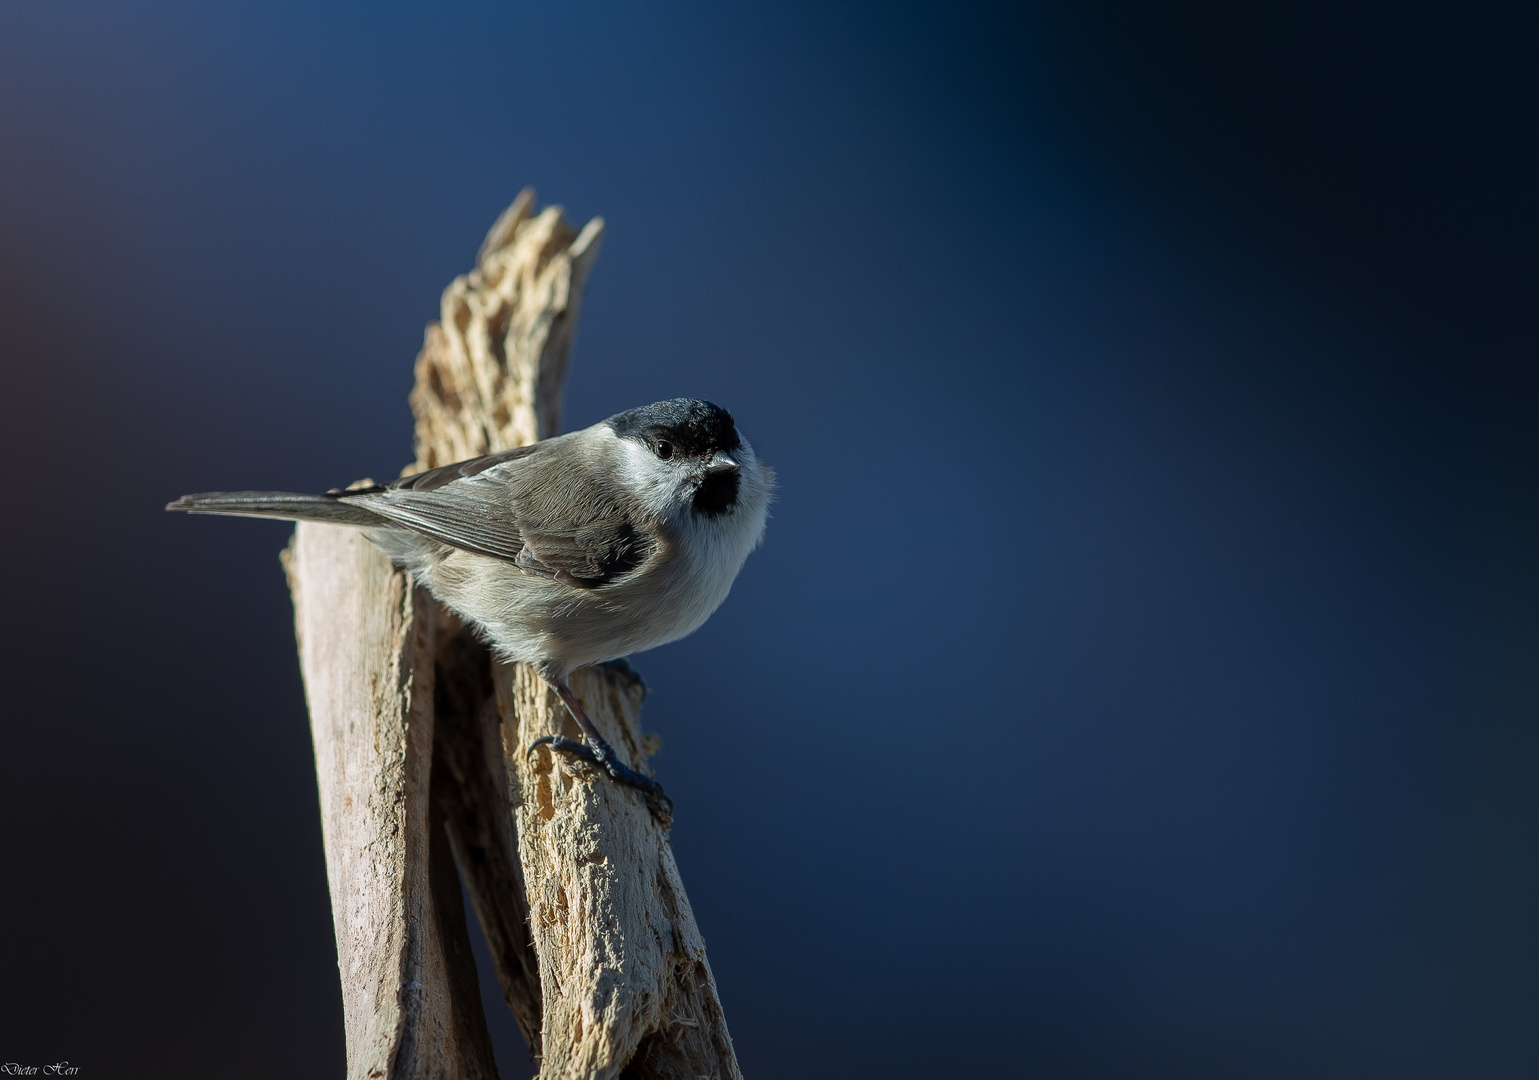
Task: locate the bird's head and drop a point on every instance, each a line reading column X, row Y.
column 686, row 453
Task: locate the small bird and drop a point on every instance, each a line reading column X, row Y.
column 571, row 551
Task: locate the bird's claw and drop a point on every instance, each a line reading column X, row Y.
column 658, row 802
column 562, row 745
column 661, row 807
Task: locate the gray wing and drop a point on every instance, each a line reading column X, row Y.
column 541, row 507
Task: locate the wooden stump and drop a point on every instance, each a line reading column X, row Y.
column 420, row 740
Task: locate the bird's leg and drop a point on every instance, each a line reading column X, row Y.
column 598, row 752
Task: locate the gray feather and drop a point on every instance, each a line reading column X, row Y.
column 541, row 507
column 284, row 505
column 575, row 550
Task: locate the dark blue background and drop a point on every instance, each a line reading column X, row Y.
column 1139, row 678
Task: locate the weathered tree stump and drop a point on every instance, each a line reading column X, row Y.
column 420, row 739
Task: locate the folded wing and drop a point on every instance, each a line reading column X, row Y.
column 540, row 507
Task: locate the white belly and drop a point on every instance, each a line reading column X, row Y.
column 535, row 619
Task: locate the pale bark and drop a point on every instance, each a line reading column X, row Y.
column 491, row 372
column 366, row 648
column 622, row 964
column 572, row 879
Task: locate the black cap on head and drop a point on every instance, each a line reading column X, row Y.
column 694, row 427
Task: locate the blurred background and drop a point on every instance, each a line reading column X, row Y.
column 1139, row 677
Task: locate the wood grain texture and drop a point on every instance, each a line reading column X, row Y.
column 366, row 650
column 491, row 371
column 624, row 987
column 470, row 787
column 623, row 971
column 420, row 744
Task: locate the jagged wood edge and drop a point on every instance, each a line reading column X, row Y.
column 624, row 985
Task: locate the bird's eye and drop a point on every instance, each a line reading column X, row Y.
column 665, row 450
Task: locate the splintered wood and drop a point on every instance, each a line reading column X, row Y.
column 491, row 372
column 622, row 964
column 421, row 739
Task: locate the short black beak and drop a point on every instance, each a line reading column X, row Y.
column 720, row 463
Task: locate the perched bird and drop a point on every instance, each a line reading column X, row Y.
column 572, row 551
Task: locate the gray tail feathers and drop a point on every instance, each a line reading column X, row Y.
column 278, row 504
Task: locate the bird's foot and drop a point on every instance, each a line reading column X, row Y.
column 600, row 753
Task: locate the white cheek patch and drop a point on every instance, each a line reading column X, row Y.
column 658, row 484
